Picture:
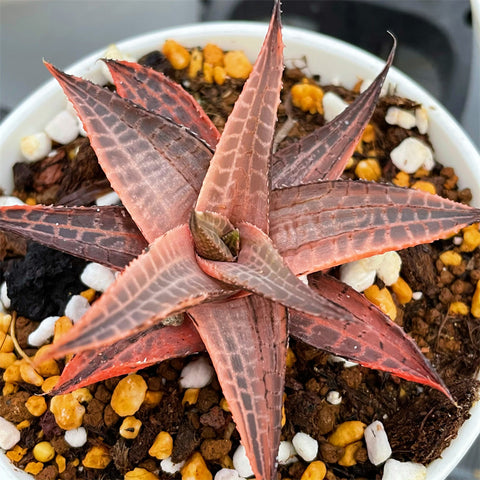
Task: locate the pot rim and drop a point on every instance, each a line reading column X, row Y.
column 30, row 117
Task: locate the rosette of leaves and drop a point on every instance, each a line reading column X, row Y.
column 215, row 230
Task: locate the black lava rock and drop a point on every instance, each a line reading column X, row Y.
column 40, row 284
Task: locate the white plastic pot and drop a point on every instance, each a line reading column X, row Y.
column 336, row 62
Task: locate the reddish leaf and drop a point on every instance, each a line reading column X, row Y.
column 155, row 92
column 145, row 348
column 323, row 154
column 365, row 335
column 237, row 184
column 106, row 235
column 246, row 340
column 260, row 269
column 163, row 281
column 318, row 226
column 160, row 187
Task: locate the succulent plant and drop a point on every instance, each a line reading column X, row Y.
column 214, row 232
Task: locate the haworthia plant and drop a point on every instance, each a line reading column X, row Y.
column 229, row 228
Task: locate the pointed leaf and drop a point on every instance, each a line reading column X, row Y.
column 101, row 234
column 159, row 94
column 145, row 348
column 160, row 187
column 163, row 281
column 261, row 270
column 323, row 154
column 237, row 183
column 318, row 226
column 246, row 340
column 365, row 335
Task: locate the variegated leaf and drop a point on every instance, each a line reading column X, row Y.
column 246, row 339
column 145, row 348
column 156, row 93
column 318, row 226
column 106, row 235
column 164, row 280
column 237, row 181
column 154, row 165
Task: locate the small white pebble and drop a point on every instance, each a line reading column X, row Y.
column 97, row 276
column 378, row 446
column 457, row 240
column 110, row 198
column 96, row 74
column 196, row 374
column 334, row 397
column 227, row 474
column 4, row 295
column 401, row 117
column 10, row 201
column 169, row 467
column 241, row 463
column 306, row 446
column 286, row 453
column 113, row 53
column 389, row 269
column 43, row 332
column 417, row 295
column 76, row 307
column 71, row 109
column 360, row 274
column 333, row 105
column 35, row 147
column 63, row 127
column 395, row 470
column 9, row 434
column 77, row 437
column 421, row 119
column 411, row 154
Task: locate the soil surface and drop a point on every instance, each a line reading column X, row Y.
column 420, row 422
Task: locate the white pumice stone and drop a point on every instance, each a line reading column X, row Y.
column 113, row 53
column 110, row 198
column 378, row 446
column 359, row 274
column 97, row 276
column 411, row 154
column 401, row 117
column 63, row 127
column 10, row 201
column 43, row 332
column 305, row 445
column 421, row 119
column 169, row 467
column 333, row 105
column 227, row 474
column 241, row 463
column 9, row 434
column 96, row 74
column 77, row 437
column 334, row 397
column 35, row 147
column 395, row 470
column 76, row 307
column 389, row 269
column 286, row 453
column 417, row 295
column 4, row 295
column 71, row 109
column 196, row 374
